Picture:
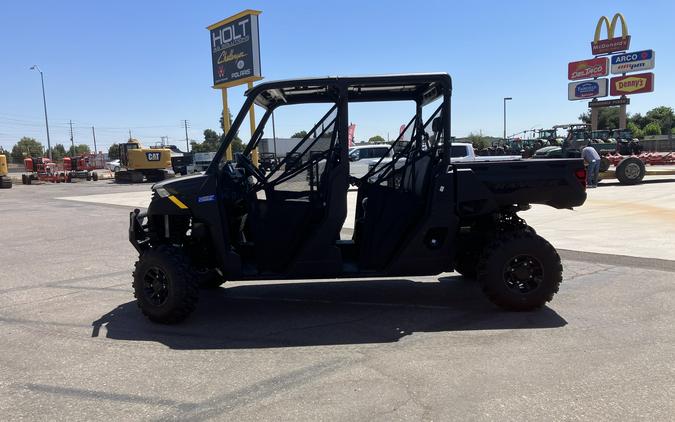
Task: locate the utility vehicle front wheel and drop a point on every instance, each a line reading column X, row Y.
column 165, row 288
column 520, row 271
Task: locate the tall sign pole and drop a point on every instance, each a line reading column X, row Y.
column 235, row 55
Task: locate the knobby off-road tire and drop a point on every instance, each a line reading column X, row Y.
column 467, row 259
column 520, row 271
column 165, row 288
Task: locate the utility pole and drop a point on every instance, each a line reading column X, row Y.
column 186, row 124
column 44, row 103
column 72, row 142
column 93, row 133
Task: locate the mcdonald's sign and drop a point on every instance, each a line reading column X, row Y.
column 611, row 43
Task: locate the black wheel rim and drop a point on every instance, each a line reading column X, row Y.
column 523, row 274
column 156, row 286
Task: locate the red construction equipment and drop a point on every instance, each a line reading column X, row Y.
column 42, row 169
column 83, row 166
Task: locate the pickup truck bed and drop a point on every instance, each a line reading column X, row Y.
column 482, row 186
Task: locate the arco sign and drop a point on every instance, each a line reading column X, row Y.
column 611, row 43
column 635, row 61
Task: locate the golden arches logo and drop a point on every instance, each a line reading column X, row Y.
column 611, row 44
column 611, row 26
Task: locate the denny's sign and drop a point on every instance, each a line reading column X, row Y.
column 632, row 84
column 611, row 43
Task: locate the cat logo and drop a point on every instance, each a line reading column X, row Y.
column 153, row 156
column 610, row 44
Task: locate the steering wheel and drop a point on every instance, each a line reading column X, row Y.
column 246, row 163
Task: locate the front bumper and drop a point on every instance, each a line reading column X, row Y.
column 138, row 235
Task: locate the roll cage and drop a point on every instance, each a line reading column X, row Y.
column 421, row 88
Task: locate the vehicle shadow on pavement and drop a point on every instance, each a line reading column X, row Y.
column 323, row 313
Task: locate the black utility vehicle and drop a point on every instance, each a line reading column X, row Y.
column 418, row 213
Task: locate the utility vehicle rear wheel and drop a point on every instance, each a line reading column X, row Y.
column 165, row 288
column 520, row 271
column 23, row 179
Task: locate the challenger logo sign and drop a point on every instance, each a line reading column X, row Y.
column 633, row 84
column 587, row 69
column 611, row 44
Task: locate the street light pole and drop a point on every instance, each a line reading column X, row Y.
column 505, row 99
column 44, row 103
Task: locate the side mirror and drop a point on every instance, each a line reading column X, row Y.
column 354, row 157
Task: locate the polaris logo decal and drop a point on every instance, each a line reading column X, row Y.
column 207, row 198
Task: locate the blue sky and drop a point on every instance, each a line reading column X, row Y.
column 146, row 65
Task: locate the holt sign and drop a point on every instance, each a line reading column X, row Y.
column 235, row 50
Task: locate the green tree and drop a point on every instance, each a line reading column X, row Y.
column 114, row 152
column 377, row 139
column 635, row 130
column 26, row 147
column 79, row 149
column 639, row 120
column 662, row 115
column 210, row 144
column 652, row 129
column 58, row 152
column 608, row 118
column 300, row 134
column 478, row 140
column 237, row 144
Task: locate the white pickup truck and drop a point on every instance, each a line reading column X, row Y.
column 459, row 152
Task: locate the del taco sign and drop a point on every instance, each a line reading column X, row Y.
column 587, row 69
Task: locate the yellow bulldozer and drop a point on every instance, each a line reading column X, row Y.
column 5, row 180
column 138, row 163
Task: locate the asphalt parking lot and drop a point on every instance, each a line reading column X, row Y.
column 75, row 347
